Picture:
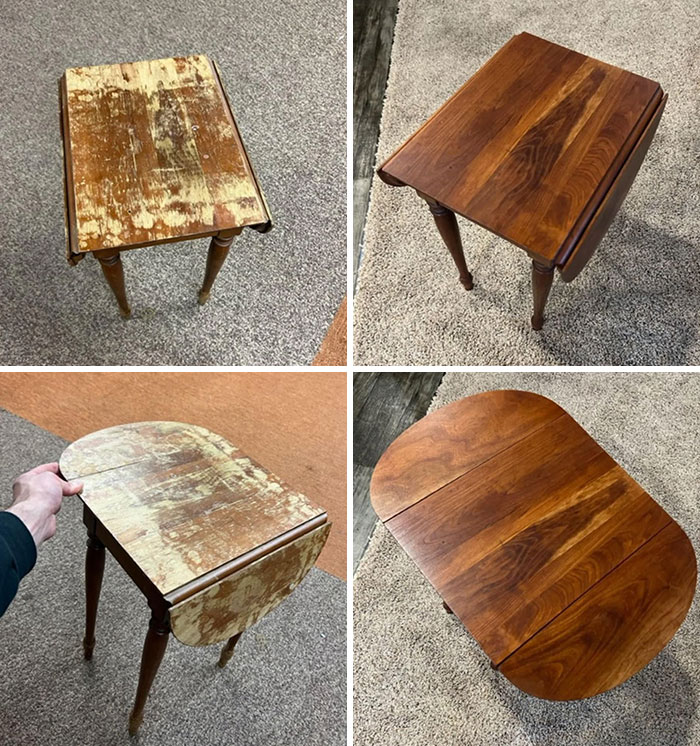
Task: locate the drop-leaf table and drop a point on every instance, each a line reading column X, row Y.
column 568, row 574
column 540, row 146
column 212, row 539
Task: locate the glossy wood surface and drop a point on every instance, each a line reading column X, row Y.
column 182, row 501
column 534, row 540
column 527, row 146
column 153, row 154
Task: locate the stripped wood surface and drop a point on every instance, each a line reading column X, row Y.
column 527, row 145
column 153, row 155
column 181, row 500
column 534, row 536
column 239, row 601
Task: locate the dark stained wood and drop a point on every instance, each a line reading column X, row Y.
column 227, row 650
column 218, row 251
column 94, row 571
column 112, row 269
column 542, row 277
column 634, row 611
column 446, row 223
column 577, row 258
column 153, row 651
column 459, row 437
column 523, row 536
column 533, row 147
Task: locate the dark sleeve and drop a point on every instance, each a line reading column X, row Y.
column 17, row 556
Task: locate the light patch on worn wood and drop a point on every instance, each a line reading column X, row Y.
column 240, row 600
column 155, row 154
column 180, row 499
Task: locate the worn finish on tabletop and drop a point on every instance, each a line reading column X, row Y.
column 237, row 602
column 539, row 146
column 213, row 540
column 153, row 155
column 170, row 494
column 568, row 574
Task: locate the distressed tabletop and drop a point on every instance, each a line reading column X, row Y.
column 183, row 501
column 565, row 570
column 153, row 154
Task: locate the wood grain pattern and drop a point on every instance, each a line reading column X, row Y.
column 181, row 500
column 153, row 155
column 232, row 605
column 524, row 146
column 616, row 628
column 518, row 536
column 580, row 252
column 460, row 436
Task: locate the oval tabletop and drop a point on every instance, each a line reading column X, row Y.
column 567, row 573
column 183, row 501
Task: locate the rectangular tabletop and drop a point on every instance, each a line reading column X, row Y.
column 153, row 154
column 527, row 145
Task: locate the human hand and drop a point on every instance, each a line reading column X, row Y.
column 38, row 495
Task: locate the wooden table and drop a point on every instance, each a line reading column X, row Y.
column 153, row 155
column 567, row 573
column 212, row 539
column 540, row 147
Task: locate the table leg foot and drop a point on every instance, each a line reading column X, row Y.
column 446, row 223
column 94, row 570
column 153, row 651
column 112, row 269
column 542, row 277
column 227, row 650
column 218, row 251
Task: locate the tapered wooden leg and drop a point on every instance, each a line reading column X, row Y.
column 447, row 608
column 227, row 651
column 542, row 277
column 218, row 251
column 449, row 230
column 153, row 651
column 111, row 264
column 94, row 570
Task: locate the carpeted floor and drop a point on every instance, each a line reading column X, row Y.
column 285, row 683
column 636, row 302
column 294, row 424
column 283, row 66
column 420, row 678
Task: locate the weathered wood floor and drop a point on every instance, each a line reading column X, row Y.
column 384, row 405
column 373, row 34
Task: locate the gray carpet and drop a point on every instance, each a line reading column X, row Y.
column 286, row 683
column 636, row 302
column 283, row 65
column 419, row 676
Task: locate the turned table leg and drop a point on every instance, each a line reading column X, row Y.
column 542, row 277
column 446, row 223
column 94, row 570
column 227, row 651
column 111, row 264
column 153, row 651
column 218, row 251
